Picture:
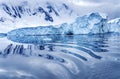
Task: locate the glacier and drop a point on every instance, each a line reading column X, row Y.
column 51, row 17
column 48, row 39
column 114, row 25
column 2, row 35
column 93, row 23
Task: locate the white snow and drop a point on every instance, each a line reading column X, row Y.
column 67, row 22
column 39, row 19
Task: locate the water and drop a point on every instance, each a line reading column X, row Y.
column 60, row 57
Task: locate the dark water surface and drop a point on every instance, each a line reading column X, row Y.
column 60, row 57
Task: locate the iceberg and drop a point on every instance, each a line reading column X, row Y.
column 114, row 25
column 34, row 31
column 89, row 24
column 3, row 35
column 51, row 17
column 93, row 23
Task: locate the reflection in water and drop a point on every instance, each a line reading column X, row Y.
column 60, row 57
column 42, row 41
column 20, row 50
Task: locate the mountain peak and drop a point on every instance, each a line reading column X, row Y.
column 25, row 13
column 98, row 14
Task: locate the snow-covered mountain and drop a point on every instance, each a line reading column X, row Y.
column 32, row 13
column 24, row 17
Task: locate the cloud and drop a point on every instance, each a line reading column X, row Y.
column 99, row 1
column 110, row 7
column 85, row 3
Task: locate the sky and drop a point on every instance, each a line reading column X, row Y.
column 109, row 7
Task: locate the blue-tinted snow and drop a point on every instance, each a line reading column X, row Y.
column 2, row 35
column 88, row 24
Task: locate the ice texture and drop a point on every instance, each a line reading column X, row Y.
column 93, row 23
column 51, row 17
column 3, row 35
column 114, row 25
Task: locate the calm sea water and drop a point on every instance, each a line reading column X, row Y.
column 60, row 57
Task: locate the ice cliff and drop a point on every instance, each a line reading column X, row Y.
column 24, row 17
column 89, row 24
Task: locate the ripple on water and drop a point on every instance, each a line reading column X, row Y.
column 60, row 57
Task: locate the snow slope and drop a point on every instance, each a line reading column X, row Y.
column 31, row 13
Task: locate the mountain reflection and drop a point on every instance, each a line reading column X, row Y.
column 77, row 56
column 89, row 44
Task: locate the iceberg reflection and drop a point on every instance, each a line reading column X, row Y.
column 60, row 56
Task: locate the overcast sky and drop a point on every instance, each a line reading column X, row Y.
column 110, row 7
